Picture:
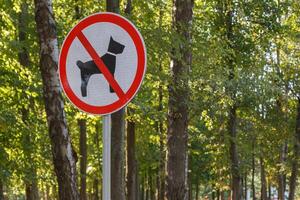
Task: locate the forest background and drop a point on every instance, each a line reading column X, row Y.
column 217, row 116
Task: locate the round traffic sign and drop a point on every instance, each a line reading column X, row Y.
column 102, row 63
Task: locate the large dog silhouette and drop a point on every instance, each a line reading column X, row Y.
column 89, row 68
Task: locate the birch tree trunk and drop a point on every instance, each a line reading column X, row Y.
column 177, row 188
column 295, row 162
column 64, row 157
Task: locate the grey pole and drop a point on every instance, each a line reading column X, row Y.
column 106, row 156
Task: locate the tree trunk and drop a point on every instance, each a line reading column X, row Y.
column 190, row 197
column 245, row 186
column 47, row 197
column 253, row 170
column 161, row 170
column 232, row 121
column 113, row 6
column 213, row 195
column 96, row 181
column 269, row 191
column 83, row 158
column 64, row 157
column 197, row 191
column 264, row 195
column 96, row 189
column 1, row 190
column 178, row 104
column 218, row 195
column 132, row 185
column 281, row 174
column 131, row 160
column 236, row 179
column 151, row 186
column 117, row 136
column 31, row 188
column 295, row 162
column 222, row 195
column 142, row 194
column 283, row 151
column 117, row 155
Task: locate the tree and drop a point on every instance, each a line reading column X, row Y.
column 83, row 157
column 117, row 136
column 295, row 162
column 64, row 157
column 178, row 103
column 132, row 176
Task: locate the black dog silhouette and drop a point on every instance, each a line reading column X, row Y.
column 89, row 68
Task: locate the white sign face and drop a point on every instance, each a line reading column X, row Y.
column 102, row 63
column 98, row 91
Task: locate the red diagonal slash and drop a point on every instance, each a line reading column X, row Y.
column 100, row 64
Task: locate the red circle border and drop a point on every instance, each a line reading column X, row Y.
column 141, row 64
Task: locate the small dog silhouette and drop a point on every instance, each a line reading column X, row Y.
column 89, row 68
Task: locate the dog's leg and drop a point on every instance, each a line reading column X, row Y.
column 111, row 89
column 112, row 71
column 84, row 82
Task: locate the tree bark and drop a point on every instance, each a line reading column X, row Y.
column 83, row 158
column 132, row 185
column 117, row 156
column 246, row 185
column 281, row 177
column 222, row 195
column 281, row 174
column 253, row 170
column 117, row 136
column 131, row 160
column 269, row 191
column 190, row 197
column 236, row 179
column 178, row 104
column 264, row 195
column 113, row 6
column 96, row 189
column 197, row 191
column 142, row 194
column 218, row 195
column 295, row 162
column 64, row 157
column 151, row 186
column 1, row 190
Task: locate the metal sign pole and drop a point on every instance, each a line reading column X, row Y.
column 106, row 156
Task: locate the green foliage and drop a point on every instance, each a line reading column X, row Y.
column 266, row 58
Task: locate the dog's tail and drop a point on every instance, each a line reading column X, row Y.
column 79, row 64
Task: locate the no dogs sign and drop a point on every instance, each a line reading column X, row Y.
column 102, row 63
